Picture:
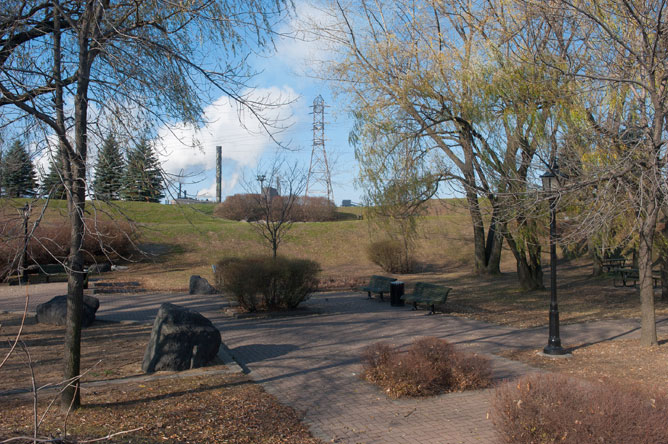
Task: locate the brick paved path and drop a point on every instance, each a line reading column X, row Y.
column 312, row 362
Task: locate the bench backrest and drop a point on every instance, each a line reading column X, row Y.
column 431, row 291
column 382, row 282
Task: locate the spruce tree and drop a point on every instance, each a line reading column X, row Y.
column 109, row 171
column 143, row 177
column 52, row 184
column 19, row 177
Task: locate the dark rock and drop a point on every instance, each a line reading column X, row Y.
column 55, row 311
column 102, row 267
column 199, row 285
column 180, row 339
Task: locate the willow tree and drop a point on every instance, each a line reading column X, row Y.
column 619, row 62
column 123, row 65
column 444, row 75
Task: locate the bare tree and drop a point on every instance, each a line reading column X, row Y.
column 276, row 196
column 123, row 64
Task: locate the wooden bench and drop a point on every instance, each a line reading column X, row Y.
column 378, row 284
column 430, row 294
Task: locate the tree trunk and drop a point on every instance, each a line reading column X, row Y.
column 480, row 264
column 648, row 317
column 664, row 279
column 597, row 263
column 529, row 272
column 70, row 396
column 493, row 248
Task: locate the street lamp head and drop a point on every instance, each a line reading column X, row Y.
column 551, row 178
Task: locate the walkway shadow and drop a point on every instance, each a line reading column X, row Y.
column 259, row 352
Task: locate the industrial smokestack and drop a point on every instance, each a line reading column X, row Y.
column 219, row 175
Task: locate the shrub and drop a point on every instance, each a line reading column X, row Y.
column 239, row 207
column 391, row 255
column 50, row 242
column 248, row 207
column 555, row 408
column 430, row 366
column 315, row 209
column 266, row 283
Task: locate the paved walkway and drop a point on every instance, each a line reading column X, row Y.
column 312, row 362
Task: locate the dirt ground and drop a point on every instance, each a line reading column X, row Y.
column 109, row 350
column 221, row 408
column 623, row 361
column 211, row 409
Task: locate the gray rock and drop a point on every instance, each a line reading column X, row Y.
column 199, row 285
column 54, row 312
column 102, row 267
column 180, row 339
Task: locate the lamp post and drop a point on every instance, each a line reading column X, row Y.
column 551, row 179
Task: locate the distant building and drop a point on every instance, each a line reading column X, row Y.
column 271, row 191
column 347, row 203
column 186, row 201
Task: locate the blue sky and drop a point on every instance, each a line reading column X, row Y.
column 245, row 146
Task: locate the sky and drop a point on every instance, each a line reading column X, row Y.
column 248, row 150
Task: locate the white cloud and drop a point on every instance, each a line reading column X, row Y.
column 304, row 44
column 242, row 137
column 210, row 192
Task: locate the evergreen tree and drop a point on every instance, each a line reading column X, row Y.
column 52, row 184
column 109, row 171
column 143, row 177
column 19, row 177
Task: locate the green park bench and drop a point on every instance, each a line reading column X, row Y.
column 378, row 284
column 429, row 294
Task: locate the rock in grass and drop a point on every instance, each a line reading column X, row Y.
column 199, row 285
column 54, row 312
column 181, row 339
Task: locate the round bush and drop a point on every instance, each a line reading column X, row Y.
column 267, row 283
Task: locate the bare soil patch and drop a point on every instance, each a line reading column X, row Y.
column 621, row 361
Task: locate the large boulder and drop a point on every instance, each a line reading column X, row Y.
column 55, row 311
column 199, row 285
column 181, row 339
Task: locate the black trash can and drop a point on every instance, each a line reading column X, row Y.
column 396, row 292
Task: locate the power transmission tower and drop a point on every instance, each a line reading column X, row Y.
column 319, row 180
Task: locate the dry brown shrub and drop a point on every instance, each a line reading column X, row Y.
column 430, row 366
column 391, row 255
column 50, row 243
column 555, row 408
column 249, row 207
